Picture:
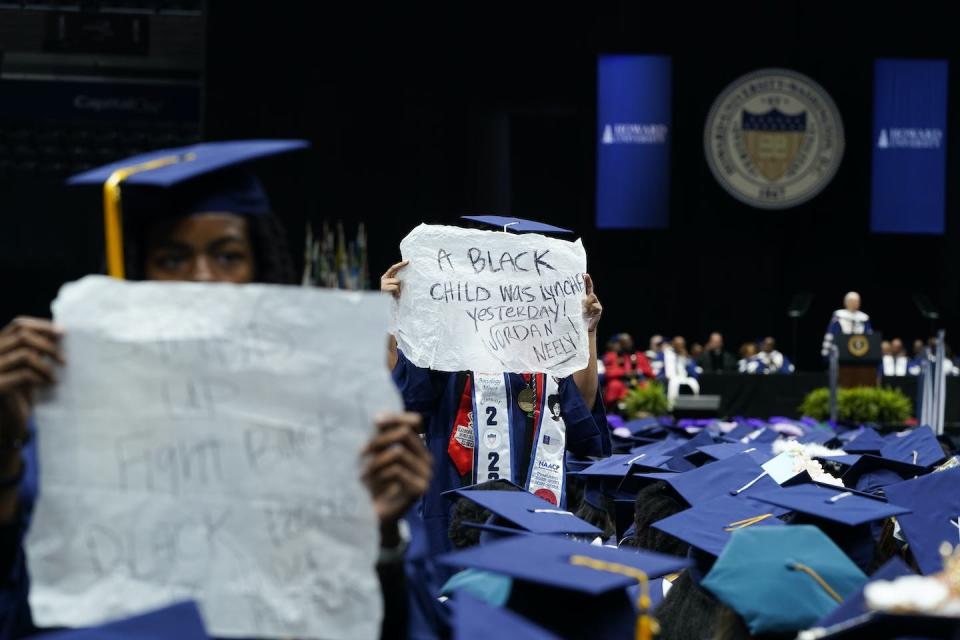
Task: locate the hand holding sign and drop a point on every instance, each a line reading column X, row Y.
column 592, row 309
column 492, row 301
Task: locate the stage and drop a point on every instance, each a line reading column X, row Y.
column 781, row 395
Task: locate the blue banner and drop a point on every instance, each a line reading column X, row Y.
column 909, row 146
column 633, row 141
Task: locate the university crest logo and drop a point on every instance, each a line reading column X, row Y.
column 773, row 139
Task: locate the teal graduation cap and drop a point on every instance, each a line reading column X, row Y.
column 211, row 176
column 517, row 225
column 782, row 579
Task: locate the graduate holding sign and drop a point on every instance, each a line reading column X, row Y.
column 501, row 357
column 199, row 215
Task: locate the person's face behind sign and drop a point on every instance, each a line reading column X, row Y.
column 204, row 247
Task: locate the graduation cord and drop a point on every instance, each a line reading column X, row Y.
column 746, row 522
column 647, row 625
column 796, row 566
column 112, row 219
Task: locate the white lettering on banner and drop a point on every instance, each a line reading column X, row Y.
column 910, row 138
column 492, row 411
column 492, row 301
column 203, row 443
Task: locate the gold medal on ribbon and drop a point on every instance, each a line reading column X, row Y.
column 526, row 399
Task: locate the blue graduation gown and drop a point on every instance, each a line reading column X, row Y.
column 15, row 619
column 437, row 394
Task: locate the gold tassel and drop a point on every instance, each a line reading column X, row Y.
column 741, row 524
column 647, row 626
column 112, row 216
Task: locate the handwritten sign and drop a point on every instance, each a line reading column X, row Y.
column 492, row 301
column 203, row 442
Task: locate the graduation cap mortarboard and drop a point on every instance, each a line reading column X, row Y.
column 708, row 526
column 733, row 476
column 474, row 619
column 834, row 505
column 868, row 473
column 855, row 605
column 854, row 619
column 866, row 441
column 782, row 579
column 919, row 446
column 934, row 518
column 518, row 225
column 573, row 588
column 760, row 452
column 181, row 621
column 174, row 182
column 529, row 513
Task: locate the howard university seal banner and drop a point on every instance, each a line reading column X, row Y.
column 909, row 146
column 633, row 141
column 773, row 139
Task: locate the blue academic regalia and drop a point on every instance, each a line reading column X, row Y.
column 15, row 619
column 437, row 395
column 844, row 322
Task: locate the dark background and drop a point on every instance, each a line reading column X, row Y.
column 426, row 112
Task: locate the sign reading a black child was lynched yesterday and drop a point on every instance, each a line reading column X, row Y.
column 492, row 301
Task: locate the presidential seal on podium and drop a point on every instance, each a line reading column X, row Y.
column 773, row 138
column 858, row 346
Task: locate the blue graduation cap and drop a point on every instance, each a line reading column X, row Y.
column 934, row 518
column 518, row 225
column 854, row 620
column 855, row 605
column 529, row 513
column 782, row 579
column 834, row 505
column 869, row 473
column 866, row 441
column 573, row 588
column 760, row 452
column 474, row 619
column 181, row 621
column 735, row 475
column 211, row 176
column 709, row 525
column 919, row 447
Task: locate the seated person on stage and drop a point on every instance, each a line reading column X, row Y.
column 223, row 231
column 847, row 321
column 895, row 360
column 714, row 358
column 768, row 360
column 653, row 354
column 747, row 352
column 622, row 364
column 677, row 368
column 929, row 353
column 572, row 406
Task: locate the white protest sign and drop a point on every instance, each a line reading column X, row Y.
column 492, row 301
column 203, row 442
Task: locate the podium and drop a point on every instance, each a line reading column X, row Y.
column 859, row 359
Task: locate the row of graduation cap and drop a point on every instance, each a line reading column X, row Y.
column 755, row 543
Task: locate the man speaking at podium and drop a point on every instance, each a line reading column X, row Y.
column 847, row 321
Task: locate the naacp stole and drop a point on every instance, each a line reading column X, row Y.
column 494, row 435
